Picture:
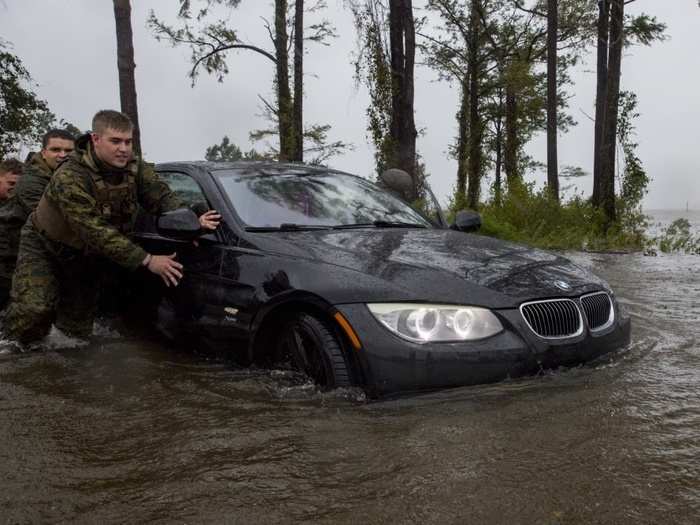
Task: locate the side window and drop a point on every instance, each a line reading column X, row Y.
column 187, row 190
column 185, row 187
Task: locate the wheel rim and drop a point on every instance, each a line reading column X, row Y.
column 306, row 353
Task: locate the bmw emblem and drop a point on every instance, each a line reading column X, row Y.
column 562, row 285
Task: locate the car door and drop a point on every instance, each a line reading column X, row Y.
column 191, row 308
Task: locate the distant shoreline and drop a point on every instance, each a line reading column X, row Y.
column 671, row 210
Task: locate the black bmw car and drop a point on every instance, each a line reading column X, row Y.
column 355, row 287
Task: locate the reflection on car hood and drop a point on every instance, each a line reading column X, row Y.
column 499, row 266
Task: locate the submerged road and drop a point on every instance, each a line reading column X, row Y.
column 125, row 430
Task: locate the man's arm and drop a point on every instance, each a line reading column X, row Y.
column 29, row 190
column 69, row 192
column 154, row 194
column 157, row 198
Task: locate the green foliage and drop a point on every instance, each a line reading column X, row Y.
column 24, row 117
column 317, row 147
column 227, row 151
column 634, row 179
column 678, row 238
column 372, row 68
column 572, row 172
column 210, row 39
column 509, row 49
column 644, row 29
column 535, row 218
column 186, row 7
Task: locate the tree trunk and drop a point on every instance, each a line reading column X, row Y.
column 403, row 49
column 601, row 88
column 552, row 38
column 607, row 167
column 510, row 154
column 284, row 96
column 126, row 66
column 475, row 124
column 298, row 112
column 497, row 184
column 462, row 147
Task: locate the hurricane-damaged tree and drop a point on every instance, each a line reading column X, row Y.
column 457, row 50
column 126, row 66
column 402, row 42
column 569, row 28
column 614, row 31
column 493, row 48
column 210, row 42
column 385, row 63
column 514, row 102
column 552, row 149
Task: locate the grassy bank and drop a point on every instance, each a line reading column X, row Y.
column 534, row 218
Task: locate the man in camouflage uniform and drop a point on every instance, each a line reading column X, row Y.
column 57, row 144
column 88, row 209
column 10, row 171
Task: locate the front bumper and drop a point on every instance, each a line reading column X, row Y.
column 390, row 364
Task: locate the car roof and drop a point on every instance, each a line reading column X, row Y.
column 251, row 167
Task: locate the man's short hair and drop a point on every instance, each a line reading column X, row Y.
column 110, row 119
column 11, row 166
column 56, row 134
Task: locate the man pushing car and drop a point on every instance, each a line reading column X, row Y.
column 82, row 220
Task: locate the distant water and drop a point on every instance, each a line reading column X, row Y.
column 661, row 219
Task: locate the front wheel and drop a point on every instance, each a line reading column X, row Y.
column 315, row 350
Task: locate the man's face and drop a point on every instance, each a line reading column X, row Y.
column 114, row 147
column 56, row 150
column 7, row 184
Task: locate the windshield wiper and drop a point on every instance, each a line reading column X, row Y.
column 380, row 224
column 288, row 227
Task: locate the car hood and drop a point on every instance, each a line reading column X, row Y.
column 444, row 258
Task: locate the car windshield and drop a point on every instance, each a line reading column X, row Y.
column 285, row 197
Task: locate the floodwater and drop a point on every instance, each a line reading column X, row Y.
column 127, row 430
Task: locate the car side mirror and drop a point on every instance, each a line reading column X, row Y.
column 466, row 221
column 181, row 224
column 397, row 181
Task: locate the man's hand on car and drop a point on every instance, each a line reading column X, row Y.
column 210, row 220
column 166, row 267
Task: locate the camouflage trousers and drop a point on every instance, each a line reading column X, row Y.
column 52, row 283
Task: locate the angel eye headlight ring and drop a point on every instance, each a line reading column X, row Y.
column 432, row 323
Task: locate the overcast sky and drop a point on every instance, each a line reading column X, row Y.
column 69, row 47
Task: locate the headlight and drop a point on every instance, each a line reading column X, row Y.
column 423, row 323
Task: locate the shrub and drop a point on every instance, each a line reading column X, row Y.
column 533, row 217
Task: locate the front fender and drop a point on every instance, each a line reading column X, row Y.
column 282, row 303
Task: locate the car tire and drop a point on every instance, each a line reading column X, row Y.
column 314, row 350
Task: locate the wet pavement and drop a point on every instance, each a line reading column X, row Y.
column 127, row 430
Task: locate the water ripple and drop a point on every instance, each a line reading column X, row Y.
column 128, row 430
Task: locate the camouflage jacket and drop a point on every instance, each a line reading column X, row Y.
column 15, row 210
column 71, row 191
column 10, row 226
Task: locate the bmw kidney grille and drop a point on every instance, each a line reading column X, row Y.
column 561, row 318
column 598, row 309
column 554, row 318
